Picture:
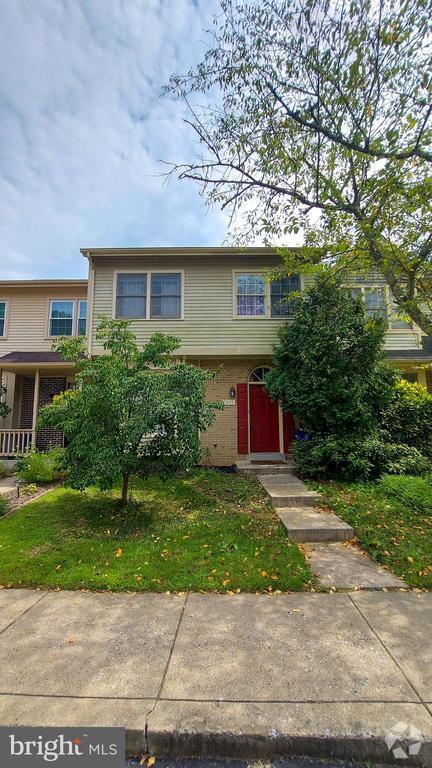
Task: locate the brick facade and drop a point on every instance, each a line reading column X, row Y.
column 26, row 417
column 49, row 386
column 219, row 443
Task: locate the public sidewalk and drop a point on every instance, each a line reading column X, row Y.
column 327, row 675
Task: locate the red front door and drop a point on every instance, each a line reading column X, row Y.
column 264, row 421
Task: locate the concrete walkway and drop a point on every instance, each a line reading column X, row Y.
column 333, row 563
column 327, row 675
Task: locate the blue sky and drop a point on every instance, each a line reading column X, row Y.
column 83, row 126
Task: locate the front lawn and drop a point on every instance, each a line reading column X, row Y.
column 393, row 522
column 208, row 531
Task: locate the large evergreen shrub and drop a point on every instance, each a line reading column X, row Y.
column 329, row 368
column 331, row 374
column 408, row 417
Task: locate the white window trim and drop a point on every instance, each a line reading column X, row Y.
column 4, row 335
column 267, row 298
column 75, row 310
column 149, row 273
column 78, row 317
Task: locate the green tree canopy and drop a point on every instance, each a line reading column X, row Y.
column 329, row 369
column 132, row 410
column 316, row 118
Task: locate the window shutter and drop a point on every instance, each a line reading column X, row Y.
column 288, row 430
column 242, row 418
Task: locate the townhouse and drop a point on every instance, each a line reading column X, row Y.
column 219, row 302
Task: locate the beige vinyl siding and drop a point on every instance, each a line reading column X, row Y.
column 27, row 321
column 209, row 327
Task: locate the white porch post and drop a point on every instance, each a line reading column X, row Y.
column 35, row 406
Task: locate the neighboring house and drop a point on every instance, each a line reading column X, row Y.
column 226, row 313
column 217, row 301
column 32, row 314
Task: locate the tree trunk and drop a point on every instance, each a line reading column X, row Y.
column 125, row 486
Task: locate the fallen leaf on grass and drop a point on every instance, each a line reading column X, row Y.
column 118, row 552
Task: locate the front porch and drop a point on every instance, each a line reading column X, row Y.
column 31, row 380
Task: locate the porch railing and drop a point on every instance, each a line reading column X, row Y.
column 16, row 442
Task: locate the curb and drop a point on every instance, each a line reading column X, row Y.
column 322, row 731
column 229, row 745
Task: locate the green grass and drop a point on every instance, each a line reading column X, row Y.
column 206, row 531
column 393, row 522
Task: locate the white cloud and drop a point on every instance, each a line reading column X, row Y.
column 82, row 127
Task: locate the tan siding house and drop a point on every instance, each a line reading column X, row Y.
column 32, row 314
column 222, row 306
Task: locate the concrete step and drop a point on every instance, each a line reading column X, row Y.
column 266, row 457
column 286, row 490
column 305, row 524
column 248, row 468
column 347, row 567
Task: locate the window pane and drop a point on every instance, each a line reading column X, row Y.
column 131, row 307
column 61, row 320
column 251, row 284
column 250, row 306
column 82, row 312
column 165, row 306
column 375, row 302
column 82, row 326
column 61, row 327
column 2, row 309
column 62, row 309
column 280, row 307
column 285, row 285
column 132, row 285
column 257, row 376
column 166, row 285
column 279, row 290
column 1, row 326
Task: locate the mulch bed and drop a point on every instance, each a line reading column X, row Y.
column 14, row 502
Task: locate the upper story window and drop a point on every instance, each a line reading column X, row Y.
column 375, row 302
column 154, row 295
column 61, row 318
column 131, row 296
column 165, row 295
column 279, row 290
column 250, row 291
column 82, row 318
column 67, row 317
column 379, row 303
column 255, row 297
column 2, row 318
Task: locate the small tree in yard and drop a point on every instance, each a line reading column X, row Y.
column 133, row 411
column 329, row 368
